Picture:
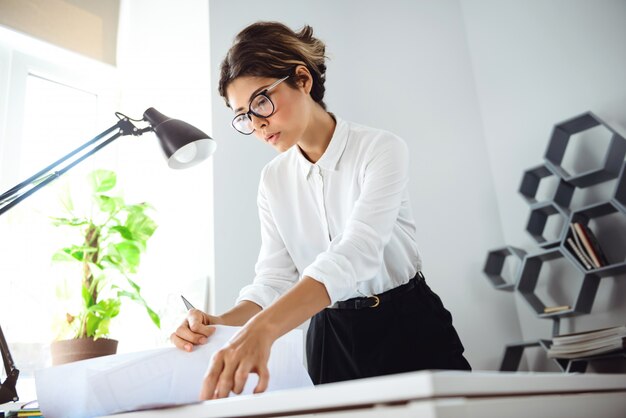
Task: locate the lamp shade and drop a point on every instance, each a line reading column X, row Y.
column 184, row 145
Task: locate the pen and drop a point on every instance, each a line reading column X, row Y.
column 186, row 302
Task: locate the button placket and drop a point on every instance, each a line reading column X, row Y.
column 321, row 202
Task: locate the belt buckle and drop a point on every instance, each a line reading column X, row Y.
column 377, row 299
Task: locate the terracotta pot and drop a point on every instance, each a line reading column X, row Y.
column 67, row 351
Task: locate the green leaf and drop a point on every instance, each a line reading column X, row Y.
column 92, row 324
column 66, row 198
column 141, row 225
column 134, row 285
column 87, row 298
column 110, row 261
column 154, row 316
column 63, row 255
column 130, row 254
column 106, row 308
column 108, row 204
column 102, row 180
column 123, row 231
column 103, row 329
column 67, row 221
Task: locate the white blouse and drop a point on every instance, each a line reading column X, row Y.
column 344, row 221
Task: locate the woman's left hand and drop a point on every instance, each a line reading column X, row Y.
column 247, row 352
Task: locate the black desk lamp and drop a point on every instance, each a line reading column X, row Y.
column 183, row 145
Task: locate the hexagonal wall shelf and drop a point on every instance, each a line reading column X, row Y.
column 495, row 266
column 531, row 180
column 619, row 197
column 561, row 135
column 529, row 276
column 540, row 218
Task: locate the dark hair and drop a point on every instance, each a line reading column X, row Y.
column 271, row 49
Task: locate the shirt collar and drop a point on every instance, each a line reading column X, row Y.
column 331, row 156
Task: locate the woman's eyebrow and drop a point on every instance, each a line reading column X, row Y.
column 254, row 93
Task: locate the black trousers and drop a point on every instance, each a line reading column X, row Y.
column 411, row 331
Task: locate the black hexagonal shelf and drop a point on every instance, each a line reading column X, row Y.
column 596, row 221
column 619, row 197
column 546, row 223
column 531, row 180
column 513, row 356
column 561, row 135
column 495, row 267
column 527, row 285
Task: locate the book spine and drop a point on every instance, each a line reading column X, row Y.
column 580, row 256
column 595, row 245
column 585, row 240
column 580, row 246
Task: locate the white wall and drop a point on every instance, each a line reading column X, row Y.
column 404, row 67
column 538, row 63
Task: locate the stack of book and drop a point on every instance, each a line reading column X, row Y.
column 24, row 412
column 589, row 343
column 585, row 246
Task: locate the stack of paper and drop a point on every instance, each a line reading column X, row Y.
column 154, row 378
column 589, row 343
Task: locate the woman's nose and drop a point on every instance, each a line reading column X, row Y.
column 257, row 122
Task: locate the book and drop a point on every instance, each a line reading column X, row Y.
column 579, row 254
column 595, row 245
column 553, row 309
column 617, row 331
column 580, row 246
column 584, row 239
column 585, row 346
column 616, row 345
column 588, row 343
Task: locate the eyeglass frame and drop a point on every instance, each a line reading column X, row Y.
column 252, row 112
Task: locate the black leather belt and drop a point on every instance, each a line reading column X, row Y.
column 375, row 300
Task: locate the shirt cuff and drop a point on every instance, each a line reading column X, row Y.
column 261, row 295
column 338, row 277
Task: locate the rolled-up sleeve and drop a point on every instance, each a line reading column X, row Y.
column 275, row 271
column 357, row 253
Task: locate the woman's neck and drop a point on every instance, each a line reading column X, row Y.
column 318, row 134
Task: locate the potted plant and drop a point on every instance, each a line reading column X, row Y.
column 112, row 238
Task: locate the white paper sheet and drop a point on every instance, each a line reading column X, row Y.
column 147, row 379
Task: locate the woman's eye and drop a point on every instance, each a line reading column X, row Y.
column 260, row 103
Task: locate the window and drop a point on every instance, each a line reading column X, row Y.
column 52, row 101
column 49, row 109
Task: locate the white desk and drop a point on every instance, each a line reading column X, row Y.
column 429, row 394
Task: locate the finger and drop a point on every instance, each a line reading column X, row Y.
column 180, row 343
column 226, row 381
column 241, row 377
column 211, row 377
column 264, row 379
column 198, row 323
column 199, row 335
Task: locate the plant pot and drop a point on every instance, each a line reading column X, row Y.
column 67, row 351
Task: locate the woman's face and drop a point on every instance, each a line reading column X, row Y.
column 285, row 127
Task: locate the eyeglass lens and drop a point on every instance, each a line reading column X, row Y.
column 260, row 105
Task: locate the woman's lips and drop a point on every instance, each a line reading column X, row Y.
column 273, row 138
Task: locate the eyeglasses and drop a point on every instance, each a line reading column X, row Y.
column 260, row 106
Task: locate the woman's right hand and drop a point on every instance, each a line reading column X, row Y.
column 195, row 329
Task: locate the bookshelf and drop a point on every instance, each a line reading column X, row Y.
column 552, row 245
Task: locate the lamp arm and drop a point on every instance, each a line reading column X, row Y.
column 45, row 176
column 7, row 388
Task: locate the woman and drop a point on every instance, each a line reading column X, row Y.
column 338, row 236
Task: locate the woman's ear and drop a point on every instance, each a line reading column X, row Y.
column 304, row 79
